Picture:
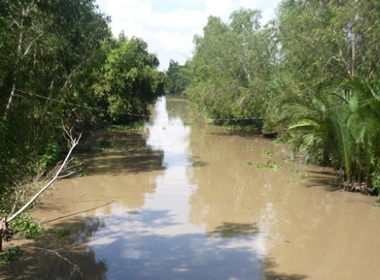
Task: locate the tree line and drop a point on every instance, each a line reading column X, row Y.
column 61, row 67
column 311, row 75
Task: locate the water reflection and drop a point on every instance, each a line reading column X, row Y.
column 174, row 202
column 231, row 230
column 146, row 249
column 125, row 153
column 179, row 202
column 160, row 240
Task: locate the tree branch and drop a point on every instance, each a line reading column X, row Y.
column 73, row 143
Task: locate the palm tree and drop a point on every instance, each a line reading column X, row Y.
column 365, row 123
column 341, row 130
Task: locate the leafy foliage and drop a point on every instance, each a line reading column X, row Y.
column 129, row 81
column 50, row 155
column 49, row 50
column 230, row 67
column 312, row 75
column 342, row 131
column 61, row 67
column 178, row 80
column 26, row 226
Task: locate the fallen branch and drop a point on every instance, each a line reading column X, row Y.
column 73, row 142
column 69, row 170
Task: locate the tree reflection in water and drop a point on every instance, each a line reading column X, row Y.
column 181, row 211
column 231, row 230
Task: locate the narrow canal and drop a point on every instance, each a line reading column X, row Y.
column 184, row 199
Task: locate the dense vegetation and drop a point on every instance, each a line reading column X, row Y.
column 61, row 67
column 311, row 74
column 177, row 79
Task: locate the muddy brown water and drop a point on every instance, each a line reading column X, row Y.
column 180, row 201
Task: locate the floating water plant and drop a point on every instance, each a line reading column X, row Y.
column 269, row 164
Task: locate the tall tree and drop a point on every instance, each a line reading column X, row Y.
column 129, row 81
column 231, row 64
column 48, row 49
column 177, row 81
column 325, row 46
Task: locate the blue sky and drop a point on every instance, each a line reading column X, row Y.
column 168, row 26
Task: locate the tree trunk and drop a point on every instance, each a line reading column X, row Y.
column 19, row 52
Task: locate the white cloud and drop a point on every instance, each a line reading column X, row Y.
column 168, row 26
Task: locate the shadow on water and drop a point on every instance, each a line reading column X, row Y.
column 231, row 230
column 126, row 151
column 138, row 246
column 196, row 162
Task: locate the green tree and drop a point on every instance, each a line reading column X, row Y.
column 177, row 81
column 231, row 66
column 323, row 44
column 341, row 130
column 49, row 50
column 129, row 81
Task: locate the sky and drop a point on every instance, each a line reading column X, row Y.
column 169, row 26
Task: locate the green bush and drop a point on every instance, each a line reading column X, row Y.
column 26, row 226
column 50, row 155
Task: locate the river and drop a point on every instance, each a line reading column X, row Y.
column 184, row 199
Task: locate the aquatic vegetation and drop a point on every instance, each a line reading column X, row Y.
column 268, row 153
column 269, row 164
